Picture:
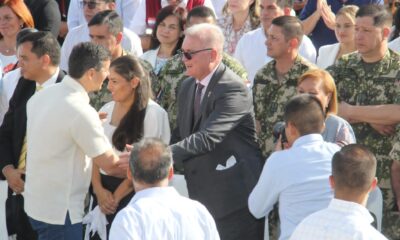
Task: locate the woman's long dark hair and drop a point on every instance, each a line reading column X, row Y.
column 130, row 128
column 396, row 23
column 165, row 12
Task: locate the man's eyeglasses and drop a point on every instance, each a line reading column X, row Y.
column 90, row 4
column 189, row 55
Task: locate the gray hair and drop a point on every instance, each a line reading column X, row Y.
column 150, row 161
column 210, row 35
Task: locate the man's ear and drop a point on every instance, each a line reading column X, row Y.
column 170, row 173
column 332, row 182
column 46, row 60
column 111, row 5
column 119, row 37
column 129, row 174
column 385, row 32
column 374, row 183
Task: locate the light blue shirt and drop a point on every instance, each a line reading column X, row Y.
column 297, row 178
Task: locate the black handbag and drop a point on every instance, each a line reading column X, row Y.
column 16, row 218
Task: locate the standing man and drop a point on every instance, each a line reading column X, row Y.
column 251, row 50
column 370, row 76
column 130, row 41
column 63, row 133
column 157, row 211
column 38, row 56
column 352, row 179
column 216, row 135
column 297, row 178
column 276, row 82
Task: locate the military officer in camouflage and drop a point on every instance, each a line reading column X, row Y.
column 371, row 76
column 276, row 82
column 105, row 29
column 166, row 86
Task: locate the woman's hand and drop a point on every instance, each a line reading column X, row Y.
column 106, row 201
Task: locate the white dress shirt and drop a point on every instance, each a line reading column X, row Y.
column 62, row 129
column 130, row 42
column 297, row 178
column 327, row 55
column 161, row 213
column 395, row 45
column 126, row 9
column 252, row 52
column 156, row 123
column 9, row 83
column 341, row 220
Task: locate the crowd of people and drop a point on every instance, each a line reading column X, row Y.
column 281, row 117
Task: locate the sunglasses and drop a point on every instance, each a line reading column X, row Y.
column 89, row 4
column 189, row 55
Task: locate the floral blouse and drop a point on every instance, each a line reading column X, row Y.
column 231, row 36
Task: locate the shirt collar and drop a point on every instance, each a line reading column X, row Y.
column 50, row 81
column 205, row 81
column 158, row 192
column 309, row 138
column 75, row 85
column 346, row 207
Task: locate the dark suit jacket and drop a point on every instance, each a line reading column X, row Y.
column 13, row 129
column 46, row 15
column 225, row 128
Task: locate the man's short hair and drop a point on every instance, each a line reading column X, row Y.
column 201, row 12
column 43, row 42
column 306, row 113
column 209, row 34
column 23, row 32
column 150, row 161
column 85, row 56
column 354, row 168
column 109, row 17
column 291, row 27
column 380, row 16
column 284, row 3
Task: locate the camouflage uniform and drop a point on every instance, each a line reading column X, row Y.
column 103, row 96
column 377, row 85
column 271, row 95
column 171, row 76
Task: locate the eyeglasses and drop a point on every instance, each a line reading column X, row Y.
column 189, row 55
column 89, row 4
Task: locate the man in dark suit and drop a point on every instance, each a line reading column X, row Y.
column 216, row 138
column 38, row 56
column 46, row 15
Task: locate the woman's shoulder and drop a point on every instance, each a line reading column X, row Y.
column 335, row 120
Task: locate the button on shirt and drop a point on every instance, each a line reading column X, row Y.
column 62, row 128
column 161, row 213
column 297, row 178
column 341, row 220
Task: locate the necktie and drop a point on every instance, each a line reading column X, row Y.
column 197, row 100
column 22, row 156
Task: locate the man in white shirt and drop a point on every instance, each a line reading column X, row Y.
column 63, row 133
column 39, row 56
column 353, row 178
column 251, row 50
column 126, row 9
column 130, row 41
column 297, row 177
column 157, row 211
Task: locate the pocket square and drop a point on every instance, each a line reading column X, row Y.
column 229, row 163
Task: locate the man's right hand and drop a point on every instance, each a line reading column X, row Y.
column 385, row 130
column 14, row 178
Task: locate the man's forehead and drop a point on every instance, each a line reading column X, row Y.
column 99, row 29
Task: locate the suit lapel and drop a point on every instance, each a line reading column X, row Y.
column 210, row 88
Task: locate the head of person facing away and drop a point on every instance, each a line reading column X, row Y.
column 89, row 65
column 202, row 49
column 106, row 29
column 150, row 164
column 38, row 55
column 303, row 115
column 353, row 173
column 91, row 7
column 271, row 9
column 372, row 30
column 200, row 14
column 284, row 37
